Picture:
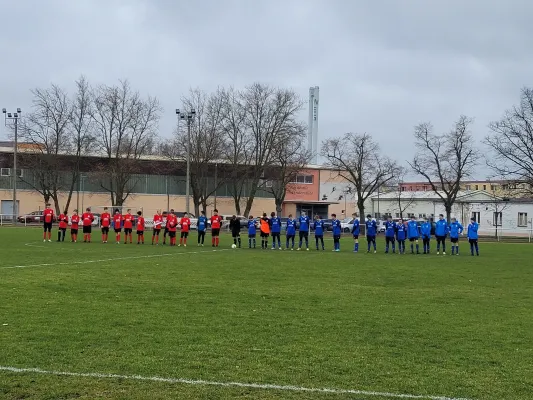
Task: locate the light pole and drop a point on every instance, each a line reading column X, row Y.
column 189, row 117
column 82, row 184
column 14, row 117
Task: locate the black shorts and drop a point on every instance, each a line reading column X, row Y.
column 413, row 239
column 264, row 234
column 251, row 235
column 440, row 238
column 73, row 231
column 472, row 241
column 128, row 231
column 356, row 236
column 118, row 230
column 454, row 240
column 140, row 233
column 389, row 239
column 172, row 234
column 319, row 236
column 371, row 238
column 290, row 237
column 156, row 231
column 87, row 229
column 184, row 234
column 105, row 229
column 276, row 234
column 215, row 232
column 304, row 234
column 235, row 234
column 47, row 227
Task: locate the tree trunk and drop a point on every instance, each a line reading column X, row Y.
column 279, row 206
column 250, row 200
column 361, row 207
column 197, row 208
column 448, row 208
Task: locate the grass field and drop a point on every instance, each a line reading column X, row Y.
column 383, row 326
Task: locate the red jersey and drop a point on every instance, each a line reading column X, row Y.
column 140, row 223
column 128, row 221
column 172, row 223
column 185, row 224
column 48, row 216
column 158, row 220
column 75, row 220
column 87, row 218
column 63, row 221
column 215, row 221
column 105, row 220
column 117, row 221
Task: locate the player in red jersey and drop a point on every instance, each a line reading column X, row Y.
column 128, row 226
column 140, row 227
column 172, row 223
column 158, row 220
column 105, row 221
column 87, row 219
column 63, row 225
column 117, row 223
column 74, row 225
column 185, row 223
column 216, row 222
column 48, row 219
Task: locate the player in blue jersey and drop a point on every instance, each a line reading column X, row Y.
column 425, row 231
column 304, row 230
column 390, row 232
column 413, row 234
column 371, row 232
column 275, row 229
column 318, row 225
column 472, row 234
column 441, row 230
column 455, row 230
column 356, row 230
column 401, row 235
column 252, row 231
column 290, row 232
column 202, row 228
column 337, row 229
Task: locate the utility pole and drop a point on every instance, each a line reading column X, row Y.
column 189, row 117
column 14, row 117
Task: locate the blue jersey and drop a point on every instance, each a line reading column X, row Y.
column 412, row 230
column 275, row 224
column 337, row 229
column 356, row 228
column 319, row 227
column 304, row 223
column 371, row 228
column 202, row 223
column 401, row 231
column 291, row 227
column 472, row 231
column 252, row 227
column 455, row 229
column 441, row 228
column 425, row 229
column 390, row 229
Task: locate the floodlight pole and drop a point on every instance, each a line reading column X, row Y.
column 14, row 117
column 189, row 116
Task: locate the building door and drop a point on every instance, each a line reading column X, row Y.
column 6, row 209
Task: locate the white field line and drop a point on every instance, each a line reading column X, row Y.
column 113, row 259
column 264, row 386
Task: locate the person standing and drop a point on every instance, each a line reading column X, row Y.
column 105, row 222
column 264, row 226
column 275, row 224
column 140, row 227
column 318, row 225
column 172, row 223
column 216, row 224
column 87, row 219
column 390, row 232
column 185, row 224
column 252, row 231
column 371, row 232
column 128, row 226
column 158, row 221
column 413, row 234
column 425, row 230
column 356, row 230
column 117, row 224
column 337, row 229
column 235, row 228
column 48, row 219
column 74, row 226
column 303, row 221
column 202, row 228
column 455, row 229
column 472, row 234
column 441, row 230
column 401, row 234
column 63, row 225
column 290, row 232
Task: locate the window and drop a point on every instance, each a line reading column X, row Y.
column 467, row 187
column 497, row 219
column 268, row 183
column 306, row 179
column 484, row 187
column 477, row 187
column 476, row 216
column 493, row 187
column 410, row 215
column 397, row 215
column 420, row 216
column 522, row 219
column 5, row 172
column 403, row 188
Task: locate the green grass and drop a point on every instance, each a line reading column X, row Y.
column 456, row 327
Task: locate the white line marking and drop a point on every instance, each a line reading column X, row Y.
column 113, row 259
column 264, row 386
column 33, row 245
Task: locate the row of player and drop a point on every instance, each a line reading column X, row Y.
column 395, row 233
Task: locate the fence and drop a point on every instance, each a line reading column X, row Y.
column 502, row 234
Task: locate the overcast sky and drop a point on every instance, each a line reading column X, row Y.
column 382, row 65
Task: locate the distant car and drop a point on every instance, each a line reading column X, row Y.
column 381, row 226
column 34, row 216
column 347, row 225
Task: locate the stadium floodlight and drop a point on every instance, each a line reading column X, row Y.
column 14, row 117
column 189, row 116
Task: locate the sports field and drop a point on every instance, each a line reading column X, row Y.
column 253, row 324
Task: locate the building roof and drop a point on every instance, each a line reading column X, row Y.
column 462, row 195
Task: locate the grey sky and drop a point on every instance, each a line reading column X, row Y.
column 382, row 66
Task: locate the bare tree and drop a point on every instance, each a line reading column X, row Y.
column 289, row 159
column 512, row 144
column 206, row 144
column 445, row 160
column 125, row 129
column 358, row 159
column 403, row 198
column 46, row 127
